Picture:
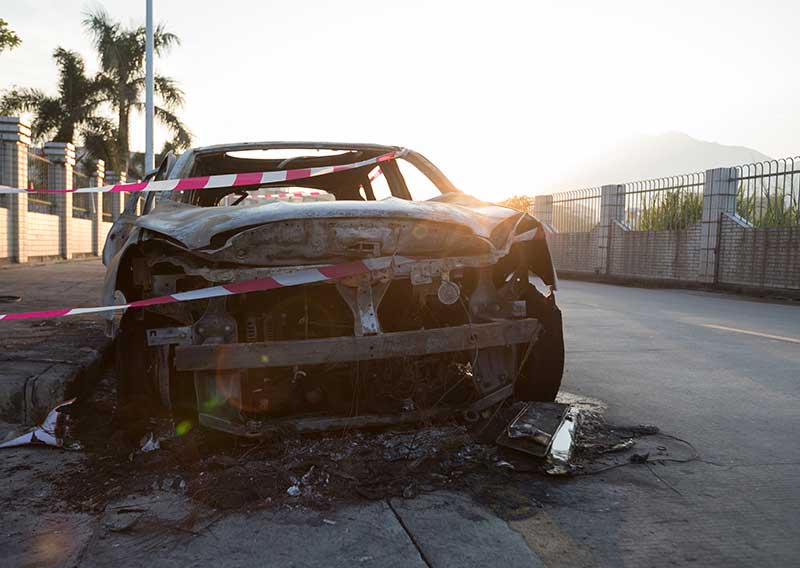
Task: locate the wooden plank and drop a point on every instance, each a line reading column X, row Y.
column 345, row 349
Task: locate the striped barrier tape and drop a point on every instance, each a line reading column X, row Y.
column 298, row 278
column 290, row 194
column 217, row 181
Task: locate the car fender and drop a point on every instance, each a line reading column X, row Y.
column 113, row 257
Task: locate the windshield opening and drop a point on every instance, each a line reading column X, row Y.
column 398, row 178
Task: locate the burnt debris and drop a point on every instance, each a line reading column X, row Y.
column 322, row 470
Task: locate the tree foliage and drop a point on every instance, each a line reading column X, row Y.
column 768, row 207
column 519, row 202
column 670, row 211
column 122, row 58
column 73, row 110
column 8, row 38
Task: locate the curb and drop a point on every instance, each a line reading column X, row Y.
column 38, row 385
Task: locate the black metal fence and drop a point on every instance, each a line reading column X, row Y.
column 38, row 178
column 664, row 204
column 82, row 203
column 105, row 199
column 5, row 179
column 576, row 211
column 768, row 193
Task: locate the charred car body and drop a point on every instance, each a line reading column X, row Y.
column 456, row 326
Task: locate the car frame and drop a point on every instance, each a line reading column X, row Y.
column 451, row 325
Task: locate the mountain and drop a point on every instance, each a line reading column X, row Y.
column 646, row 157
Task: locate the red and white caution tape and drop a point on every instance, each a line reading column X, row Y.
column 218, row 181
column 289, row 195
column 297, row 278
column 376, row 173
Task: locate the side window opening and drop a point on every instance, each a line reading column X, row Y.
column 151, row 198
column 131, row 201
column 379, row 184
column 420, row 186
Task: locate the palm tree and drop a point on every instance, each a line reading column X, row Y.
column 122, row 54
column 8, row 39
column 72, row 110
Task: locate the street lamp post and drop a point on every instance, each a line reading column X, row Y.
column 149, row 158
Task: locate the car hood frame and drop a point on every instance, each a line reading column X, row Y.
column 195, row 227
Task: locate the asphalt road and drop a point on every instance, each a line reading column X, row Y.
column 719, row 371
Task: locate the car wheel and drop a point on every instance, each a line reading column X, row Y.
column 541, row 373
column 133, row 365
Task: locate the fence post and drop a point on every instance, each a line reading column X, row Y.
column 612, row 208
column 15, row 137
column 97, row 179
column 62, row 156
column 117, row 199
column 719, row 196
column 543, row 209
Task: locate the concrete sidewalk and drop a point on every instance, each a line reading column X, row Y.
column 42, row 361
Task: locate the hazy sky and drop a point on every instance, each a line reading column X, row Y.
column 505, row 96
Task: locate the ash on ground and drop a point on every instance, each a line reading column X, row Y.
column 130, row 455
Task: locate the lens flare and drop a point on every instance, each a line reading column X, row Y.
column 183, row 427
column 212, row 403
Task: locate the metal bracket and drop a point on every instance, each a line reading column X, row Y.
column 216, row 325
column 169, row 336
column 162, row 355
column 421, row 274
column 501, row 310
column 364, row 300
column 495, row 368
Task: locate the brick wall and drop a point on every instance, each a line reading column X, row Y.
column 765, row 259
column 658, row 255
column 34, row 229
column 762, row 258
column 43, row 240
column 575, row 252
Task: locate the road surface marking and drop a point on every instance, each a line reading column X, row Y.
column 748, row 332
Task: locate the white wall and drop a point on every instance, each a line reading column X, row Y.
column 80, row 236
column 4, row 233
column 42, row 234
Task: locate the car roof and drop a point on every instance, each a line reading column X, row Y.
column 240, row 146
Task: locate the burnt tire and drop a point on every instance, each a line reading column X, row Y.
column 540, row 376
column 140, row 372
column 132, row 365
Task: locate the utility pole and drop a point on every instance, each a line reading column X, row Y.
column 149, row 157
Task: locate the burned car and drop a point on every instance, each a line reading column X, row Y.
column 445, row 319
